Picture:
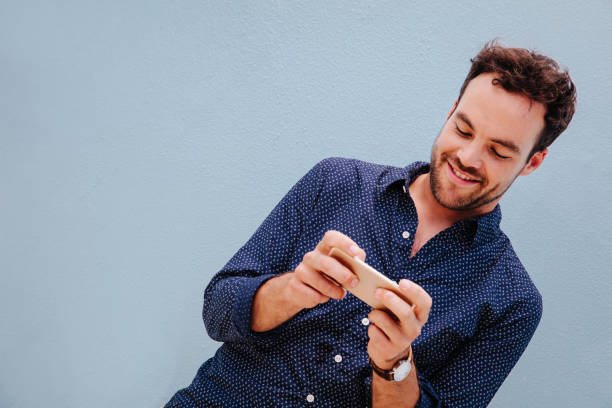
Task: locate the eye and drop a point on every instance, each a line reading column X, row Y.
column 467, row 134
column 499, row 155
column 462, row 132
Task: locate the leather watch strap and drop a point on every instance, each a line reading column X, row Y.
column 388, row 374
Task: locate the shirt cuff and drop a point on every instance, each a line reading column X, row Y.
column 243, row 306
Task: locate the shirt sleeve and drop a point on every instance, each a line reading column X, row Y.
column 228, row 298
column 475, row 373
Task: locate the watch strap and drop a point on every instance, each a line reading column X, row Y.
column 388, row 374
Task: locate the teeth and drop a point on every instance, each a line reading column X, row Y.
column 461, row 176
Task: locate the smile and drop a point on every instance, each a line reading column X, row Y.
column 460, row 177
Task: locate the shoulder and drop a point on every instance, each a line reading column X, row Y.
column 345, row 166
column 337, row 181
column 349, row 173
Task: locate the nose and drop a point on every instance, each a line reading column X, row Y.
column 470, row 155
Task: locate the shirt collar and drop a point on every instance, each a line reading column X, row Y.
column 487, row 225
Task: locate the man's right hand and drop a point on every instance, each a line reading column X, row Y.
column 310, row 283
column 283, row 296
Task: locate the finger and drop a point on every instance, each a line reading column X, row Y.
column 319, row 282
column 410, row 325
column 379, row 347
column 332, row 268
column 389, row 326
column 339, row 240
column 304, row 294
column 379, row 338
column 313, row 297
column 420, row 297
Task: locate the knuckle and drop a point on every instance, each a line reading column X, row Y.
column 300, row 269
column 308, row 256
column 329, row 234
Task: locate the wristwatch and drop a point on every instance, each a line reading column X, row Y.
column 398, row 372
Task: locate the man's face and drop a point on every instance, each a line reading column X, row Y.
column 486, row 139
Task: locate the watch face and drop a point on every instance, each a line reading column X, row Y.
column 402, row 370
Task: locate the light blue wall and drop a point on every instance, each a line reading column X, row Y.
column 142, row 143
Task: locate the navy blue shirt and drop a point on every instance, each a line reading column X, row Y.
column 485, row 307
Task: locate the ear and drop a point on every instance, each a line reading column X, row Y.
column 535, row 162
column 452, row 109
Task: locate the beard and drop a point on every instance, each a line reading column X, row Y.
column 478, row 196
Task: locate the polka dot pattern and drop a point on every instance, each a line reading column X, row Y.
column 485, row 307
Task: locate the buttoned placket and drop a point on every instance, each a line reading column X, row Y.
column 338, row 358
column 402, row 229
column 405, row 237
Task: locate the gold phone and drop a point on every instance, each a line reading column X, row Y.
column 369, row 279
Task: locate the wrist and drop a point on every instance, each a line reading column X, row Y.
column 397, row 370
column 287, row 299
column 271, row 305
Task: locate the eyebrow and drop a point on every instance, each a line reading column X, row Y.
column 506, row 143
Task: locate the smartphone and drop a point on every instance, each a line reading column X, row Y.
column 369, row 279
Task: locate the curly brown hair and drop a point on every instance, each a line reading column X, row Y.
column 533, row 75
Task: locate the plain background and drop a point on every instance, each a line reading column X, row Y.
column 142, row 143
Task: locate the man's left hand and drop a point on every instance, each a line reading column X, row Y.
column 391, row 334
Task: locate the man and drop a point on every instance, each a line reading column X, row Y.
column 292, row 337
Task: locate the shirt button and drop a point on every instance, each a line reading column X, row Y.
column 365, row 321
column 310, row 398
column 406, row 234
column 337, row 358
